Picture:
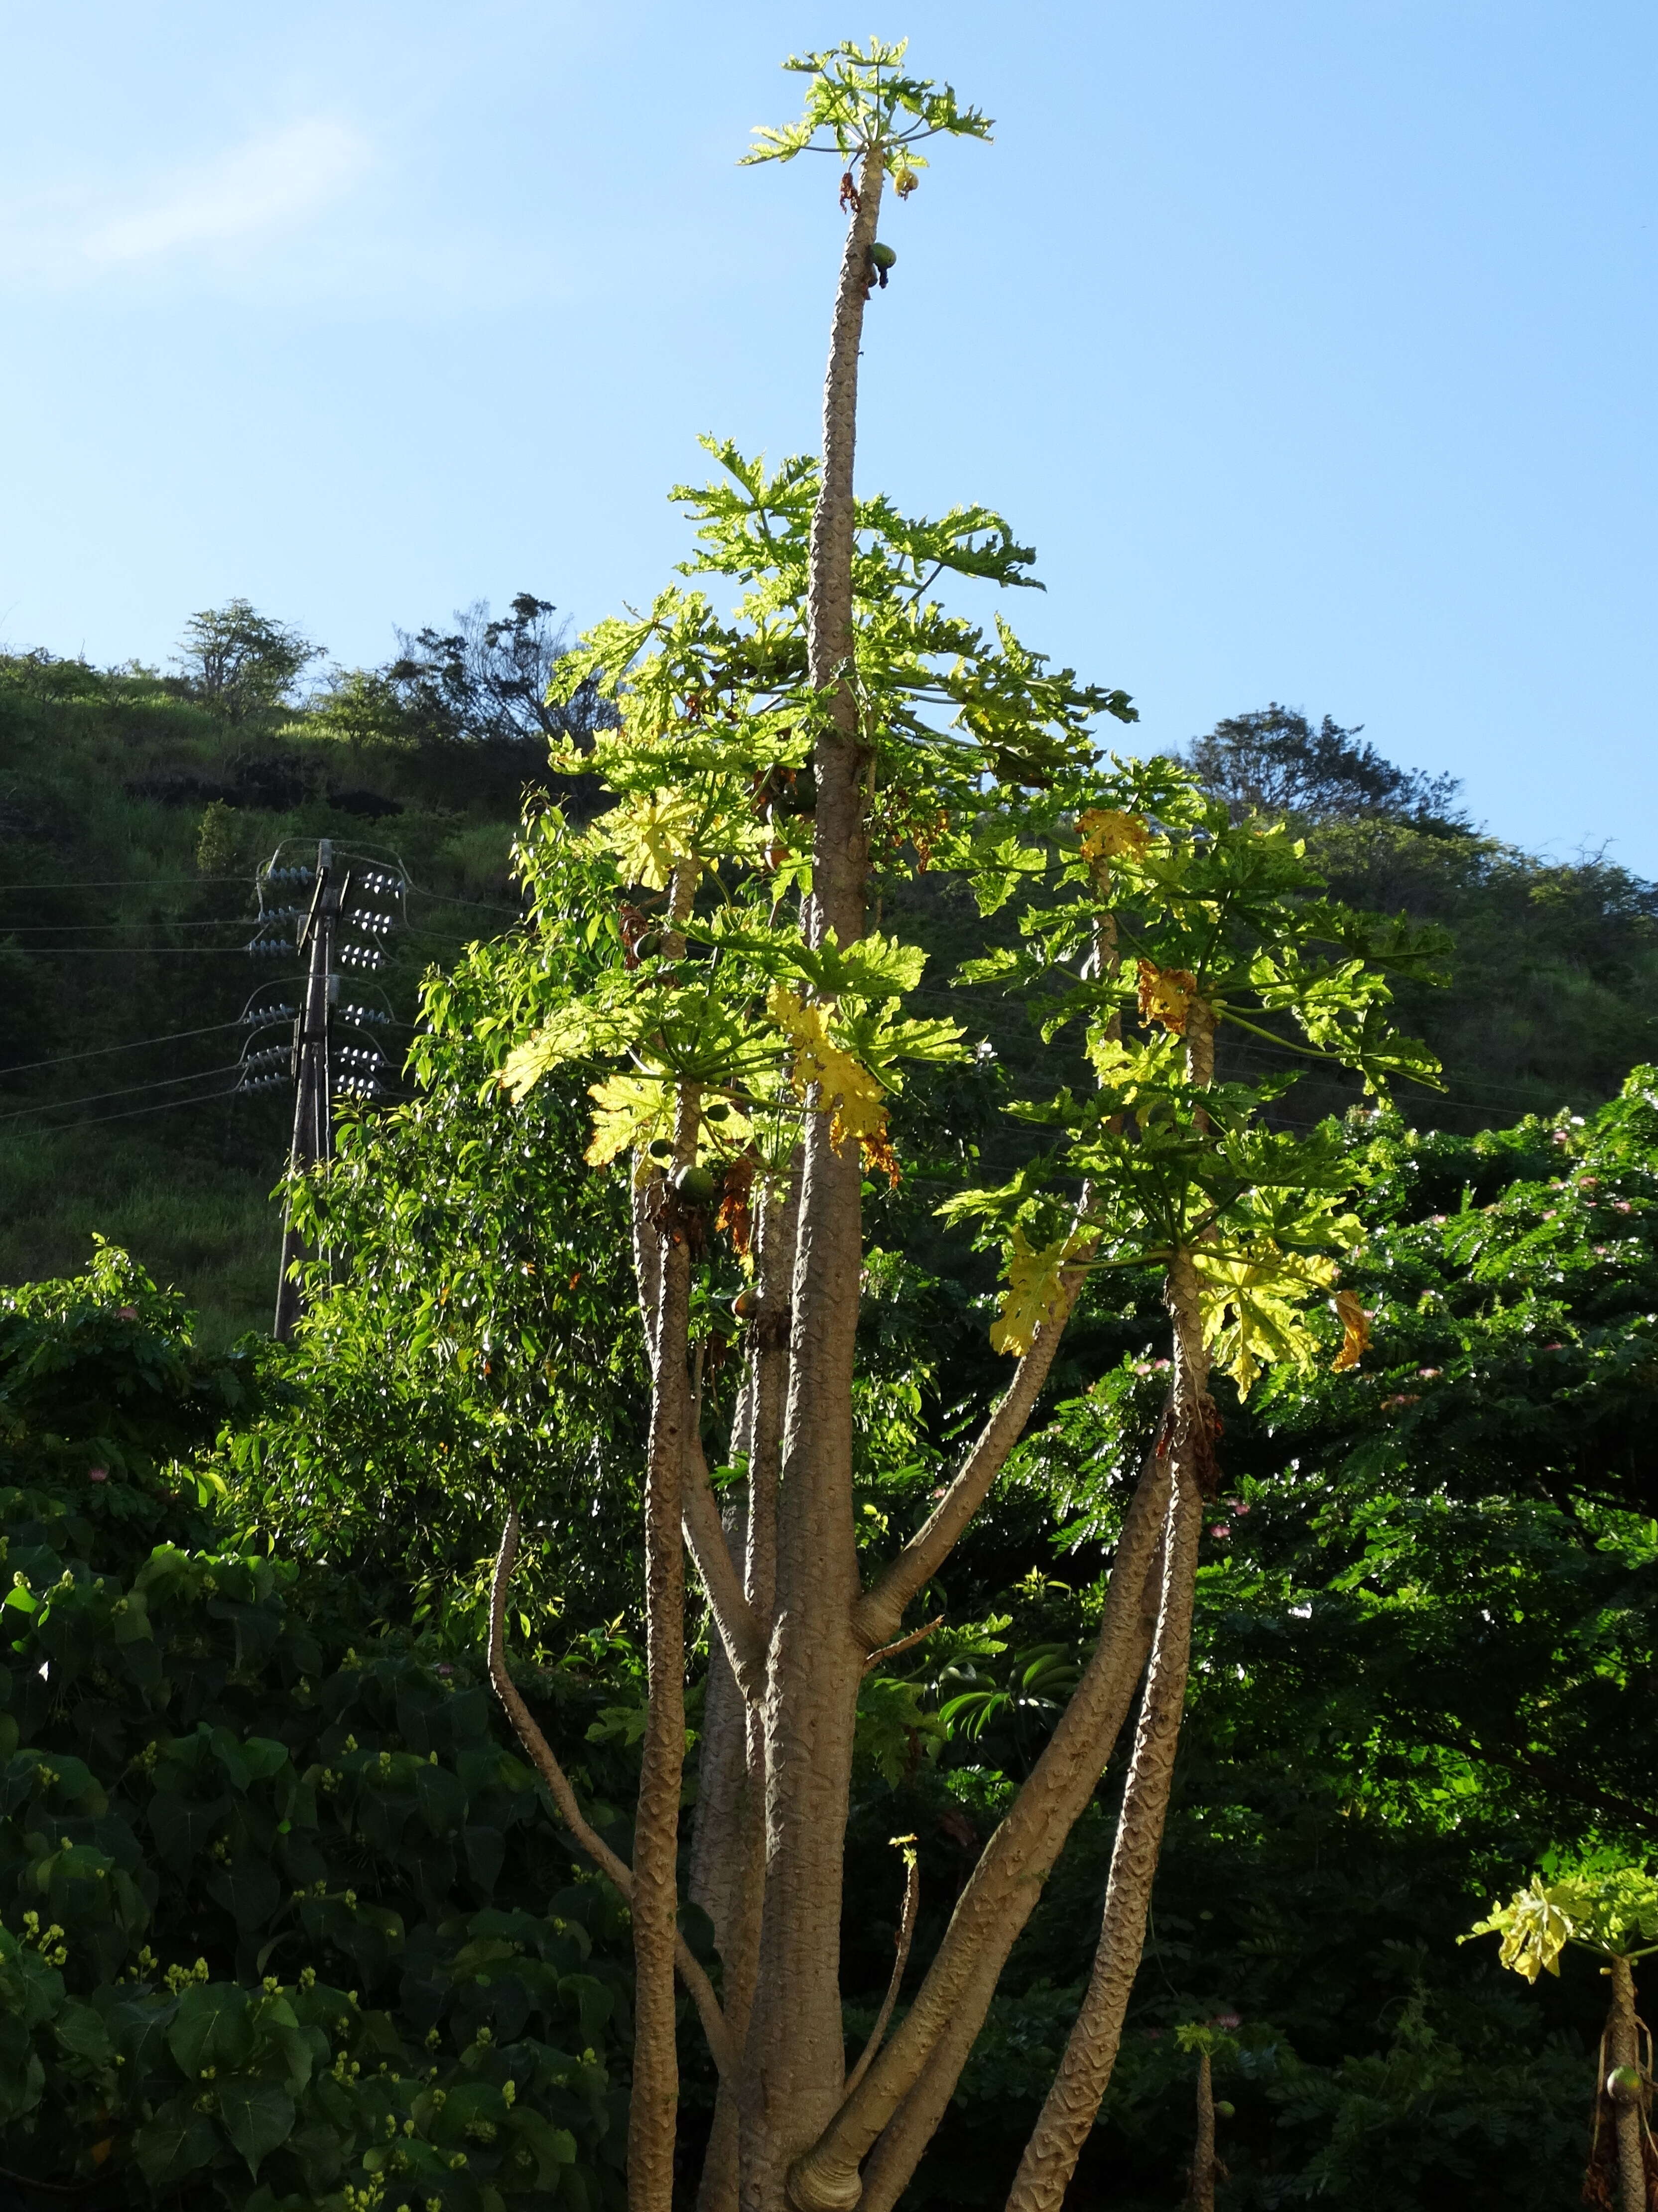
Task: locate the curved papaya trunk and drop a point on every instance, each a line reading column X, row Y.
column 1072, row 2103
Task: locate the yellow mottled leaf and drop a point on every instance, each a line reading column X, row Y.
column 1355, row 1331
column 1535, row 1926
column 1165, row 995
column 632, row 1109
column 1106, row 834
column 1032, row 1295
column 525, row 1065
column 858, row 1100
column 1254, row 1306
column 650, row 835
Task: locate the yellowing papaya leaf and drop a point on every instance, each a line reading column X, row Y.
column 1032, row 1296
column 1355, row 1331
column 858, row 1100
column 525, row 1065
column 650, row 835
column 1165, row 995
column 1106, row 834
column 1253, row 1303
column 1535, row 1925
column 632, row 1110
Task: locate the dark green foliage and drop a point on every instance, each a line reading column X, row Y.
column 277, row 1903
column 1274, row 762
column 1551, row 965
column 1427, row 1651
column 482, row 1347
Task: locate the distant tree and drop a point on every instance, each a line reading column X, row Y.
column 486, row 681
column 365, row 709
column 218, row 841
column 238, row 662
column 1274, row 762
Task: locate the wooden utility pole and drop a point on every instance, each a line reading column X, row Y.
column 313, row 1121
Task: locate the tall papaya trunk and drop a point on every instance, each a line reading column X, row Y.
column 904, row 2092
column 1624, row 2051
column 1201, row 2195
column 795, row 2058
column 1072, row 2102
column 738, row 1878
column 653, row 2107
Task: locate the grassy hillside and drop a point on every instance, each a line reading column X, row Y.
column 132, row 822
column 134, row 816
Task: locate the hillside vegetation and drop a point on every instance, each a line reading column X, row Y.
column 137, row 809
column 134, row 812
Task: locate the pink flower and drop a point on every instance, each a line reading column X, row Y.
column 1221, row 1530
column 129, row 1313
column 1227, row 2020
column 97, row 1474
column 1620, row 1206
column 1242, row 1506
column 1428, row 1374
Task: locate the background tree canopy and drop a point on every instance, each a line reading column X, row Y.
column 253, row 1579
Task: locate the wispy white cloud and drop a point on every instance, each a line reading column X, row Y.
column 254, row 193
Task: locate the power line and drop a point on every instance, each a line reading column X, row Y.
column 50, row 952
column 92, row 1097
column 42, row 928
column 444, row 898
column 125, row 884
column 97, row 1051
column 128, row 1112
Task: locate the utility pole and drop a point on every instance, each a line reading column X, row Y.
column 313, row 1118
column 355, row 892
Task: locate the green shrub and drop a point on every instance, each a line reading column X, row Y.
column 282, row 1921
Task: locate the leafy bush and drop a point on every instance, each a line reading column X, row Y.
column 284, row 1922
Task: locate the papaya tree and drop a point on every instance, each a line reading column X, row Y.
column 1609, row 1908
column 710, row 952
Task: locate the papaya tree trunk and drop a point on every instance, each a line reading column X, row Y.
column 1072, row 2103
column 743, row 1821
column 794, row 2056
column 1090, row 2052
column 1624, row 2048
column 653, row 2108
column 1202, row 2197
column 1000, row 1893
column 903, row 2141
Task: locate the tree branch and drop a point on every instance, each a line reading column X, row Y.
column 904, row 1643
column 1004, row 1886
column 734, row 1617
column 876, row 1619
column 563, row 1795
column 906, row 1937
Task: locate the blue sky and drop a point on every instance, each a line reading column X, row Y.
column 1312, row 345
